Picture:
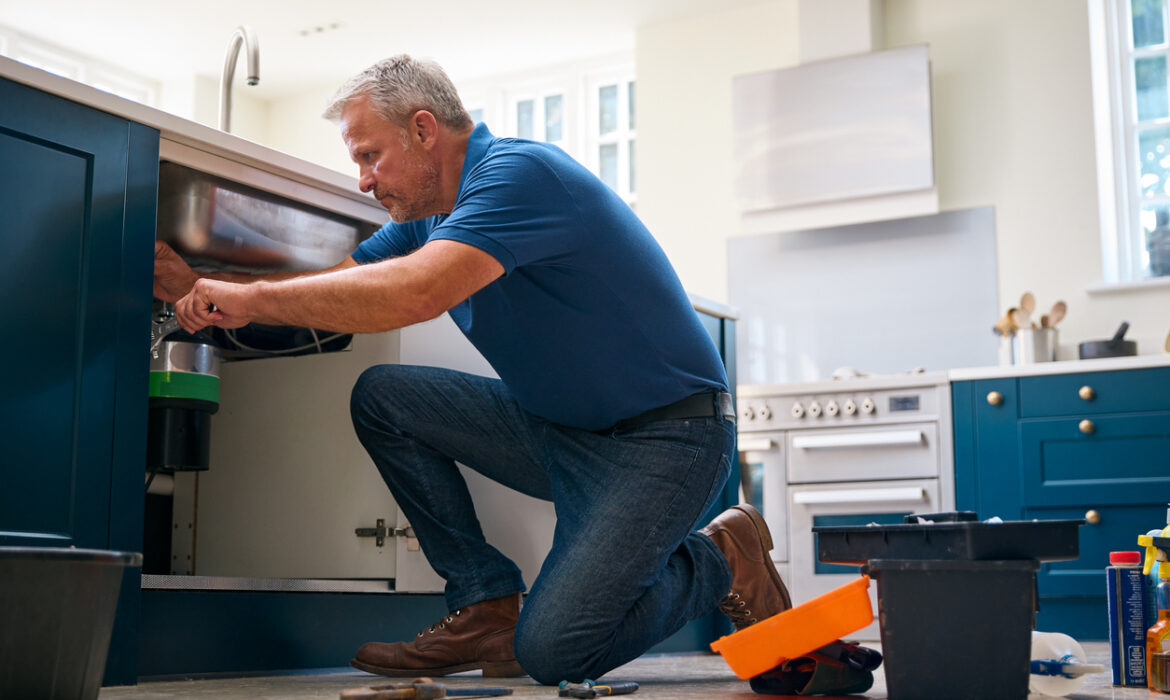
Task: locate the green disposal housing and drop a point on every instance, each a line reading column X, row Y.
column 184, row 393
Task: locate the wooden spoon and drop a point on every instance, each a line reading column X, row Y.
column 1057, row 313
column 1028, row 303
column 1021, row 318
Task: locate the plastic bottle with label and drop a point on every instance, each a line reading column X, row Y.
column 1125, row 586
column 1158, row 636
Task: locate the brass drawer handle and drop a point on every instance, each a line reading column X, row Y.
column 995, row 398
column 1092, row 517
column 1086, row 392
column 1087, row 427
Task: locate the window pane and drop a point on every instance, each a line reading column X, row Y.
column 553, row 117
column 608, row 164
column 607, row 104
column 630, row 91
column 1154, row 152
column 1147, row 22
column 1156, row 233
column 476, row 115
column 524, row 119
column 1150, row 80
column 632, row 180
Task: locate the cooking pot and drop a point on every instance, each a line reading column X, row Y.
column 1114, row 347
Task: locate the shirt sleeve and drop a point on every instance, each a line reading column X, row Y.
column 515, row 208
column 393, row 240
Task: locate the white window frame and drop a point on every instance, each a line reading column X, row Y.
column 75, row 66
column 576, row 83
column 624, row 136
column 1117, row 130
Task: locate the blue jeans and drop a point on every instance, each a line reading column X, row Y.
column 626, row 569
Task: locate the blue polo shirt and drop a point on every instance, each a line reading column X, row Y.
column 589, row 323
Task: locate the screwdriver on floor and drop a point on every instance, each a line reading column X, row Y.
column 590, row 689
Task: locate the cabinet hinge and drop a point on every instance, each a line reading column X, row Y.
column 380, row 532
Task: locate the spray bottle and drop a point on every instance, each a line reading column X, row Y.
column 1158, row 635
column 1058, row 664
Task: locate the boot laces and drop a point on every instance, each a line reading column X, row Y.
column 735, row 608
column 441, row 623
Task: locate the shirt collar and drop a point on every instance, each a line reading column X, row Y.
column 477, row 146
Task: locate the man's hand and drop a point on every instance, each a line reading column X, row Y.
column 173, row 278
column 214, row 303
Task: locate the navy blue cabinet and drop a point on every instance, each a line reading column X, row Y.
column 78, row 192
column 1094, row 446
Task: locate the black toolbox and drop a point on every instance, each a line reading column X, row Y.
column 954, row 594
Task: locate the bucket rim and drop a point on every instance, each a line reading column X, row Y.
column 72, row 554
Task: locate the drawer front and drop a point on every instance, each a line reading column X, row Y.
column 1111, row 460
column 1124, row 391
column 902, row 451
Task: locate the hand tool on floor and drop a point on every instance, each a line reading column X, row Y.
column 419, row 689
column 591, row 689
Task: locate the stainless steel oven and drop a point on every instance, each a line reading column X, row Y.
column 843, row 452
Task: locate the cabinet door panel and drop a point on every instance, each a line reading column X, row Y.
column 62, row 192
column 1117, row 530
column 1125, row 459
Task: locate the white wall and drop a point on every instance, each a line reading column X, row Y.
column 684, row 128
column 1013, row 129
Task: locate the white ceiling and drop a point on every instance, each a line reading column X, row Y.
column 470, row 38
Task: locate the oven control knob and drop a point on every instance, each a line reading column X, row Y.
column 849, row 408
column 764, row 412
column 867, row 405
column 814, row 409
column 746, row 412
column 831, row 409
column 797, row 410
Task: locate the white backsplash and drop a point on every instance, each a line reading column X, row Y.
column 882, row 297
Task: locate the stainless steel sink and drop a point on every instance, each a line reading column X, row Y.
column 217, row 223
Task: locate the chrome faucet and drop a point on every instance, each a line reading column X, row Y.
column 243, row 34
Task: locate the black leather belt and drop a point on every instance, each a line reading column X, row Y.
column 707, row 404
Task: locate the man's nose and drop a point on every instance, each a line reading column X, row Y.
column 366, row 182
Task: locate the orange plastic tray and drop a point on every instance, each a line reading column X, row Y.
column 794, row 633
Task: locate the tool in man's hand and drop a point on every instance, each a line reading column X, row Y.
column 419, row 689
column 590, row 689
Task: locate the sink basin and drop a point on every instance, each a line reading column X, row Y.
column 214, row 222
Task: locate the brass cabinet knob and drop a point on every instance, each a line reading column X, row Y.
column 1087, row 427
column 1086, row 392
column 995, row 398
column 1092, row 517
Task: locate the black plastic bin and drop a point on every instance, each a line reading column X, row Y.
column 955, row 629
column 56, row 614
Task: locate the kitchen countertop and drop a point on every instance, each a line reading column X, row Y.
column 212, row 150
column 1063, row 367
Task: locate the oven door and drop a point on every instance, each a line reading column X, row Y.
column 763, row 485
column 856, row 503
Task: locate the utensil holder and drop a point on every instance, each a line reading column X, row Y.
column 1031, row 345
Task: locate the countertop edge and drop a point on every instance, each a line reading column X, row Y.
column 1061, row 367
column 187, row 132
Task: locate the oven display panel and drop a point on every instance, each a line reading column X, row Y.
column 903, row 403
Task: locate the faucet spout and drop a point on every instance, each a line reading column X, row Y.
column 242, row 35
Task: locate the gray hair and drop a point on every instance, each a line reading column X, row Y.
column 398, row 87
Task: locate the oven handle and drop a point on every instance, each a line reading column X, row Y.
column 866, row 439
column 901, row 494
column 755, row 445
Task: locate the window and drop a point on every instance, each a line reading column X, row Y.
column 610, row 142
column 586, row 109
column 1131, row 46
column 39, row 54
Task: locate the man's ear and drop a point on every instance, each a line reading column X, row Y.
column 424, row 128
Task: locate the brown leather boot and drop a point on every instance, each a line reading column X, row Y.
column 757, row 592
column 476, row 637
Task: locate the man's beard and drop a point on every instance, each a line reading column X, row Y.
column 422, row 199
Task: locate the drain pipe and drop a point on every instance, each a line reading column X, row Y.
column 242, row 35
